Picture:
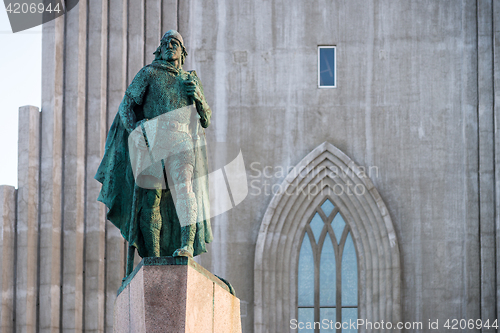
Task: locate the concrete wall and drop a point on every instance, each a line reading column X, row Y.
column 416, row 100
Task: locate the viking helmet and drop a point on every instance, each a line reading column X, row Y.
column 173, row 34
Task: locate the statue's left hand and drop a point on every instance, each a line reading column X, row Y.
column 194, row 91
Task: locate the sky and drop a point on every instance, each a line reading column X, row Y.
column 20, row 84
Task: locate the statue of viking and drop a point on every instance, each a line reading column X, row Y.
column 154, row 169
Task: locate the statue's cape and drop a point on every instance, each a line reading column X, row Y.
column 117, row 193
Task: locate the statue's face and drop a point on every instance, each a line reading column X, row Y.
column 171, row 50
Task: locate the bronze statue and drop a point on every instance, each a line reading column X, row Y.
column 159, row 217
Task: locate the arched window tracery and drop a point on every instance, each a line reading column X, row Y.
column 327, row 277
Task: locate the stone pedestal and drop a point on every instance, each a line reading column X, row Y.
column 175, row 295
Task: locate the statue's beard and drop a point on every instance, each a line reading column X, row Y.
column 166, row 56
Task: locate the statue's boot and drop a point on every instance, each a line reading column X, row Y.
column 187, row 211
column 150, row 223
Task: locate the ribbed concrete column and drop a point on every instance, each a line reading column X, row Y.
column 469, row 94
column 184, row 26
column 496, row 111
column 27, row 219
column 169, row 18
column 7, row 257
column 74, row 167
column 51, row 175
column 136, row 45
column 486, row 161
column 117, row 83
column 153, row 28
column 95, row 214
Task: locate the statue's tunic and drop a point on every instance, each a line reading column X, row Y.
column 157, row 89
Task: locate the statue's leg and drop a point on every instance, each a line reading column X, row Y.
column 180, row 168
column 186, row 207
column 150, row 221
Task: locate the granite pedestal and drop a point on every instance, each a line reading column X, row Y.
column 174, row 295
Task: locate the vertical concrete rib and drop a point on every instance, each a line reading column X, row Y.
column 136, row 34
column 153, row 28
column 496, row 114
column 74, row 168
column 27, row 218
column 7, row 252
column 184, row 24
column 136, row 47
column 486, row 161
column 116, row 85
column 95, row 215
column 169, row 15
column 51, row 175
column 135, row 38
column 471, row 268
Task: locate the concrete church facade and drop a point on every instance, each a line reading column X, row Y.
column 411, row 125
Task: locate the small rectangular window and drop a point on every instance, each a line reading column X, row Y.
column 327, row 77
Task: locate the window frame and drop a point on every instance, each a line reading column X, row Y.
column 334, row 47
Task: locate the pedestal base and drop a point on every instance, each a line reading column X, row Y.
column 175, row 295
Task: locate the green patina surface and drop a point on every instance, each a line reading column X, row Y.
column 148, row 217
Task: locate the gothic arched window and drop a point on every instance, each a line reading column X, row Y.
column 327, row 272
column 350, row 266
